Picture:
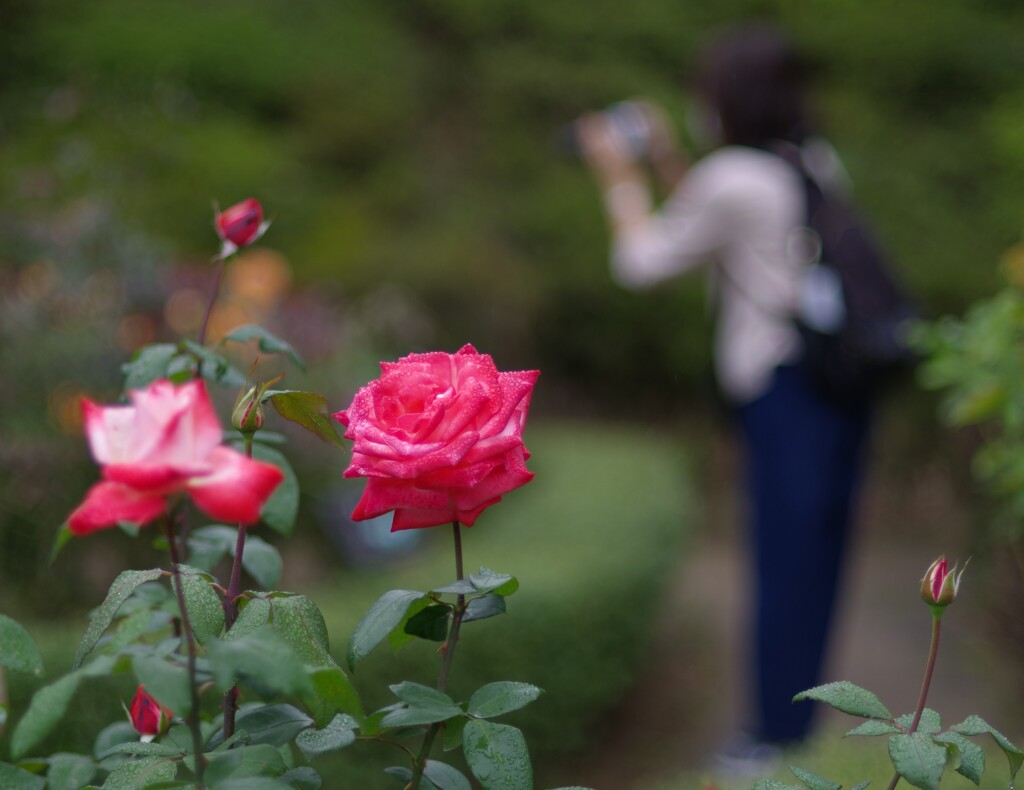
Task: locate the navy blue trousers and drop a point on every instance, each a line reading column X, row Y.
column 804, row 457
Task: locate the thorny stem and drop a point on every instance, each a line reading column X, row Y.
column 192, row 720
column 231, row 611
column 446, row 663
column 925, row 684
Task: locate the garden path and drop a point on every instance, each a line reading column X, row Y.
column 690, row 693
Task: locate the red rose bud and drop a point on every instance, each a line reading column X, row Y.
column 940, row 584
column 242, row 223
column 148, row 716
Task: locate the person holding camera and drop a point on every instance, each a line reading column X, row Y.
column 742, row 209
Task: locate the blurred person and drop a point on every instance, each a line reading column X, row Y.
column 742, row 210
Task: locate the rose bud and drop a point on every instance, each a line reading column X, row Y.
column 940, row 583
column 241, row 224
column 248, row 414
column 148, row 717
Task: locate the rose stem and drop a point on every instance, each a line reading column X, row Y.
column 446, row 662
column 925, row 684
column 192, row 720
column 231, row 609
column 201, row 337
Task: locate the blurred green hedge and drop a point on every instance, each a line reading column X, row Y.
column 414, row 145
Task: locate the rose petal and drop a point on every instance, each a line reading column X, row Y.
column 107, row 503
column 176, row 426
column 236, row 489
column 108, row 430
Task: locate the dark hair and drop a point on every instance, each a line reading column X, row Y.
column 753, row 78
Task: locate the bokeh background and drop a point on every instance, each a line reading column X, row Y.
column 412, row 156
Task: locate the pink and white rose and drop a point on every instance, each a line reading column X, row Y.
column 167, row 441
column 438, row 437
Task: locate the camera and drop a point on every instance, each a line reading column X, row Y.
column 627, row 119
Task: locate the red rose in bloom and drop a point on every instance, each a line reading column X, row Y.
column 439, row 437
column 148, row 716
column 242, row 223
column 167, row 441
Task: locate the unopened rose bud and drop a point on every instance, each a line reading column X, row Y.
column 940, row 584
column 148, row 717
column 242, row 223
column 248, row 414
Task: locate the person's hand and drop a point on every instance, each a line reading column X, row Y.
column 606, row 150
column 666, row 157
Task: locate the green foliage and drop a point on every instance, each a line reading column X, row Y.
column 17, row 650
column 975, row 360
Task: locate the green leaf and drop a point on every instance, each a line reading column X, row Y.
column 61, row 539
column 930, row 723
column 261, row 561
column 813, row 781
column 254, row 614
column 207, row 546
column 131, row 628
column 215, row 368
column 496, row 699
column 243, row 762
column 254, row 783
column 772, row 784
column 975, row 725
column 460, row 587
column 17, row 650
column 336, row 735
column 151, row 749
column 398, row 637
column 874, row 727
column 280, row 510
column 497, row 755
column 971, row 763
column 205, row 612
column 332, row 692
column 848, row 698
column 485, row 580
column 13, row 778
column 445, row 777
column 430, row 623
column 260, row 658
column 124, row 585
column 386, row 613
column 308, row 410
column 112, row 735
column 271, row 724
column 67, row 772
column 166, row 680
column 46, row 709
column 268, row 343
column 451, row 734
column 423, row 705
column 134, row 774
column 918, row 759
column 302, row 778
column 147, row 365
column 486, row 606
column 299, row 622
column 860, row 785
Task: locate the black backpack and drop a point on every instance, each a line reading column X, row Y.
column 849, row 358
